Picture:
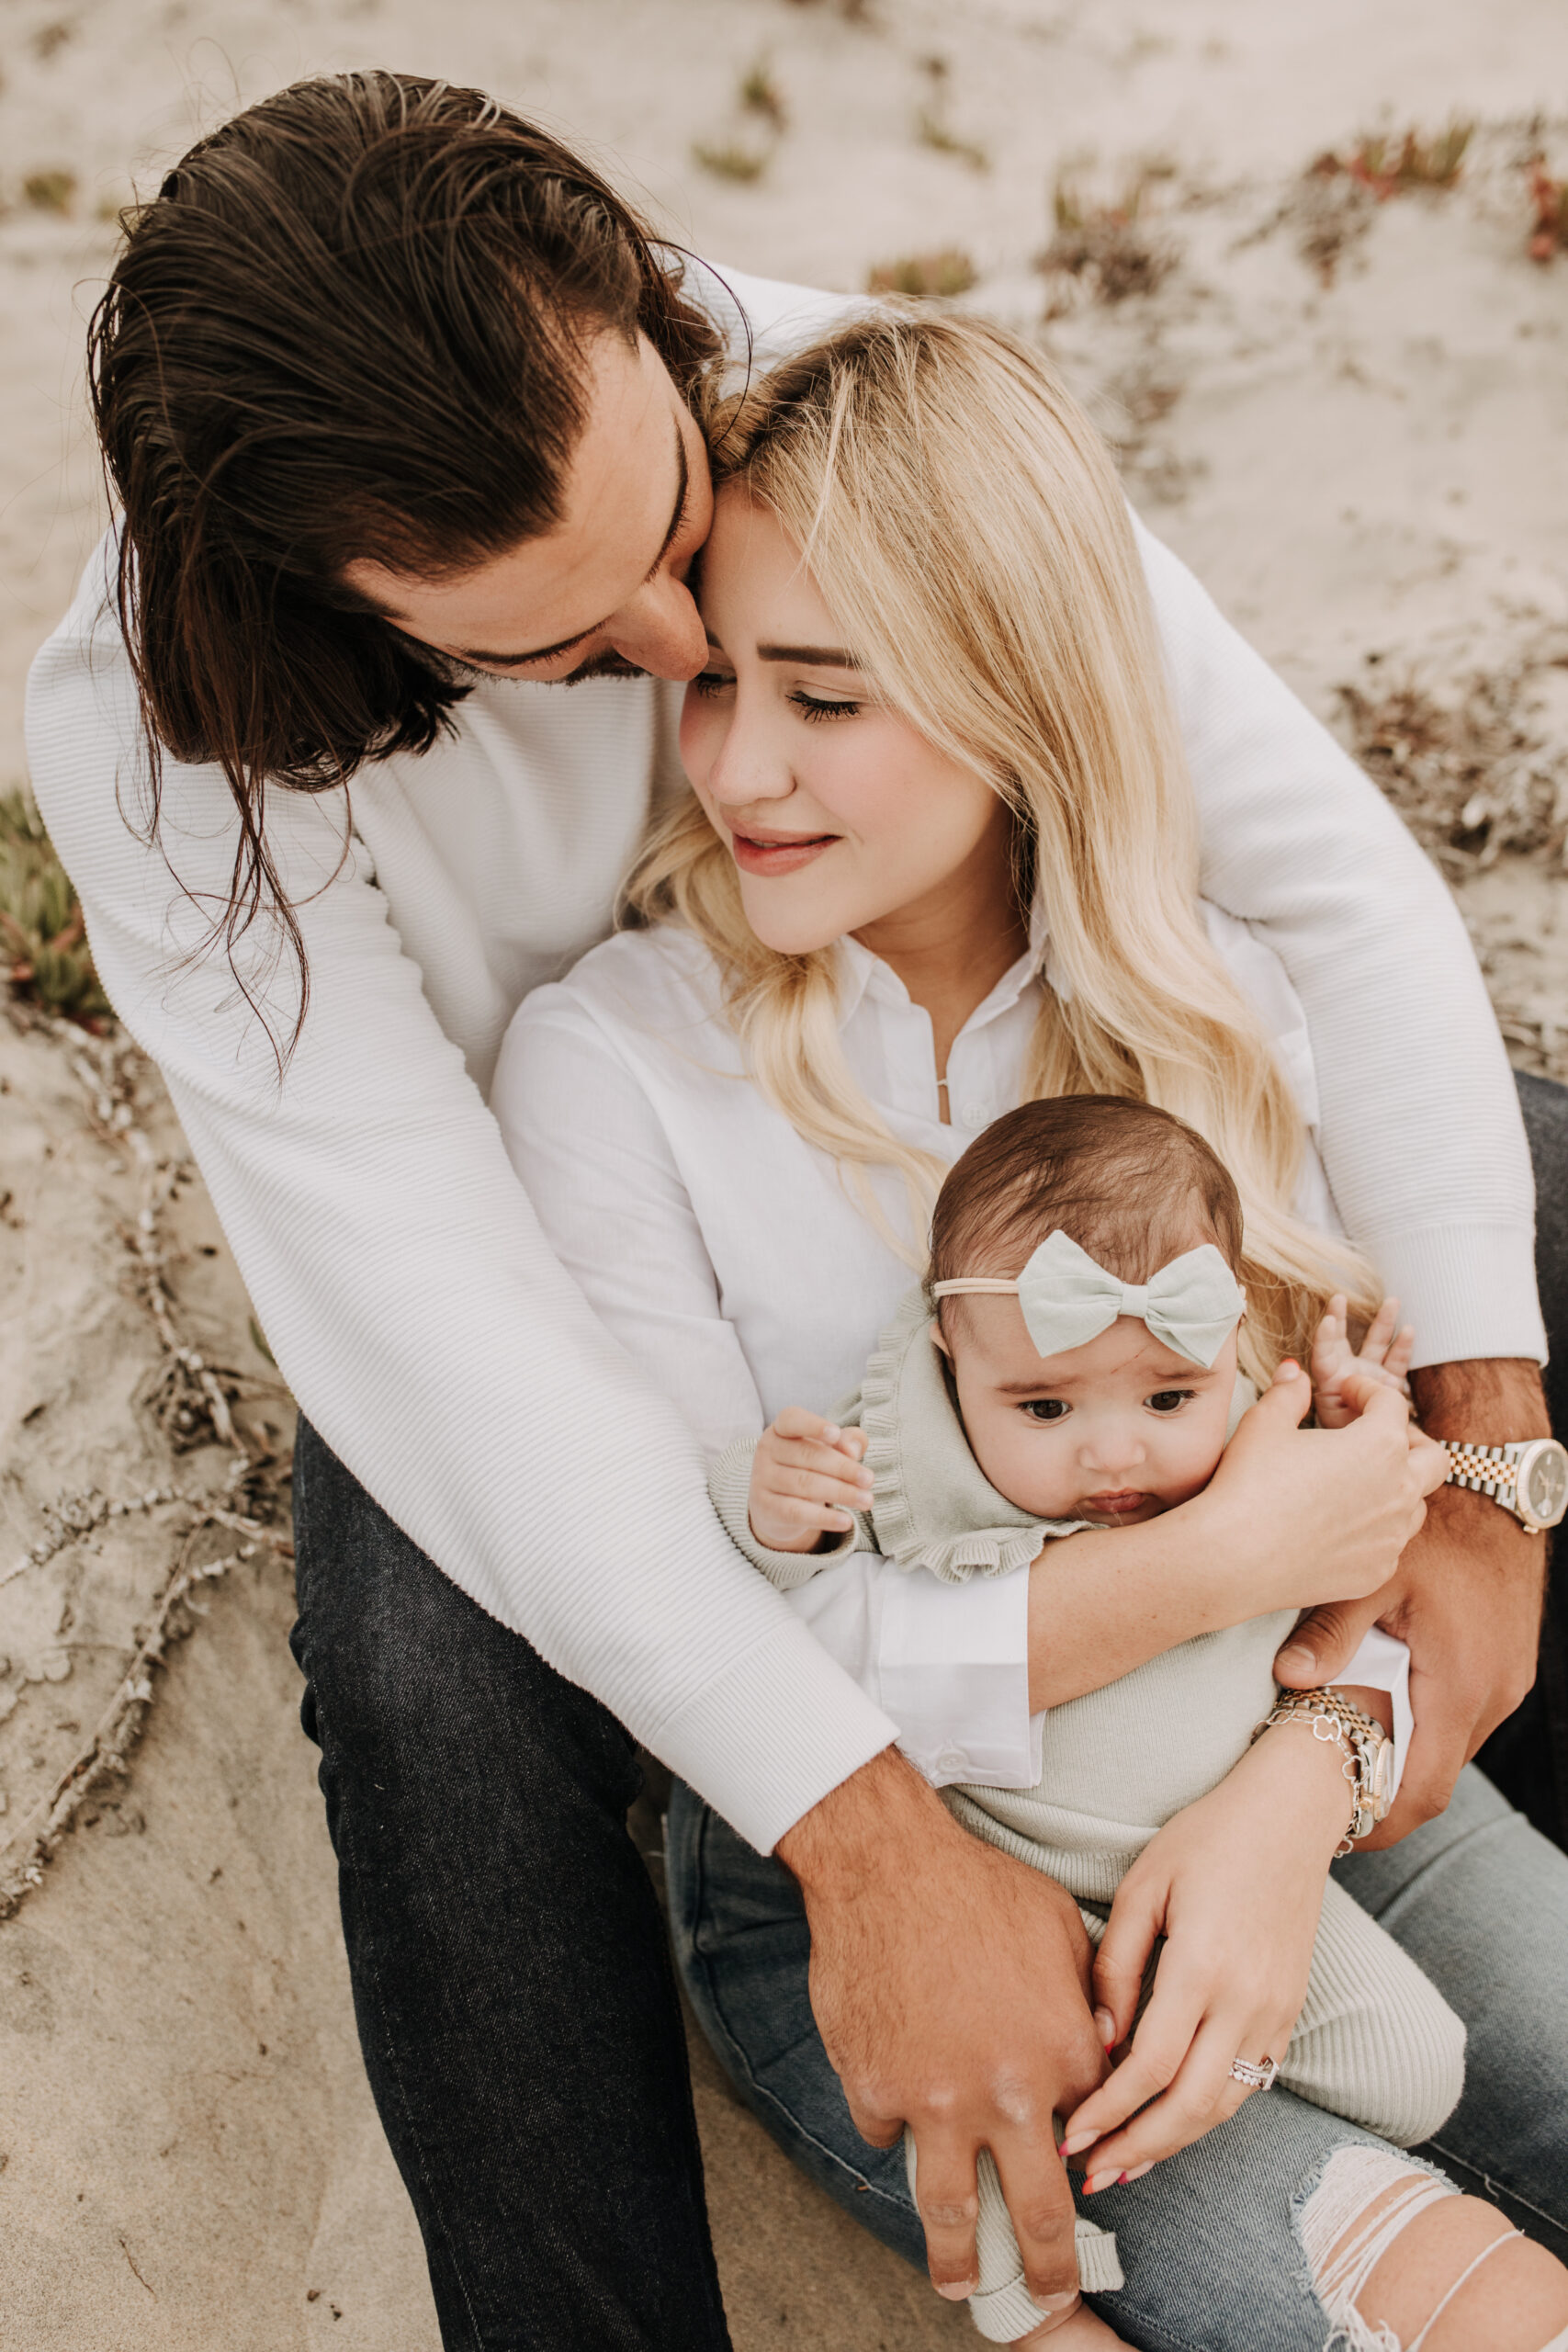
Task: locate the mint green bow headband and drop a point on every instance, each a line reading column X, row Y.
column 1194, row 1305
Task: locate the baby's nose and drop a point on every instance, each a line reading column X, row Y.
column 1117, row 1445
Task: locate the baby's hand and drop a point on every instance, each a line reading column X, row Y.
column 808, row 1481
column 1385, row 1357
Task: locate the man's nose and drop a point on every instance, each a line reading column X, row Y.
column 661, row 630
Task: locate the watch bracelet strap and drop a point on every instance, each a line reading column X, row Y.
column 1351, row 1727
column 1483, row 1469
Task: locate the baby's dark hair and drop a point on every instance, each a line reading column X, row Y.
column 1132, row 1186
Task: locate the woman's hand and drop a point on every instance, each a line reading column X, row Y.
column 808, row 1481
column 1234, row 1883
column 1322, row 1515
column 1292, row 1518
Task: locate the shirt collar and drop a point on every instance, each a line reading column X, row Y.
column 862, row 974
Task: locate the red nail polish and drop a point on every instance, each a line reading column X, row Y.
column 1121, row 2179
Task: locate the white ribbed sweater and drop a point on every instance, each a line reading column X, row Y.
column 395, row 1263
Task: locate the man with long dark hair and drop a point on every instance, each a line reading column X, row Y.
column 399, row 402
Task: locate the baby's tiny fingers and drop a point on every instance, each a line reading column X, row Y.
column 795, row 1423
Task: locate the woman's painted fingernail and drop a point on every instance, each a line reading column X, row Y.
column 1078, row 2142
column 1095, row 2182
column 1105, row 2026
column 1138, row 2171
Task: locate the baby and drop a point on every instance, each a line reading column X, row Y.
column 1071, row 1365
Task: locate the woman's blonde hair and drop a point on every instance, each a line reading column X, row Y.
column 964, row 523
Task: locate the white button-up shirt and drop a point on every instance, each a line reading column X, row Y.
column 736, row 1262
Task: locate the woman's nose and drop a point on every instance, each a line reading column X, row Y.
column 661, row 630
column 748, row 768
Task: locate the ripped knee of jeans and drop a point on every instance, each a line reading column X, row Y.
column 1347, row 2219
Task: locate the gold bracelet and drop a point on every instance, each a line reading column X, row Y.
column 1362, row 1743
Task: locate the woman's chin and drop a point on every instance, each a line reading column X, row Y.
column 788, row 931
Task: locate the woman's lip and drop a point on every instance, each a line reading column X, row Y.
column 784, row 853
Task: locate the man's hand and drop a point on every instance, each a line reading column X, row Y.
column 951, row 1986
column 1466, row 1597
column 808, row 1480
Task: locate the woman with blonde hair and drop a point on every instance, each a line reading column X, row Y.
column 941, row 856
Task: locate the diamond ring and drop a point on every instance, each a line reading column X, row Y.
column 1257, row 2078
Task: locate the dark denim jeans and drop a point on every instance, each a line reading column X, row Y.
column 512, row 1979
column 510, row 1976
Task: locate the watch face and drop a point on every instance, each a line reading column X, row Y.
column 1544, row 1491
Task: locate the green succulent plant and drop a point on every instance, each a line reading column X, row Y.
column 43, row 945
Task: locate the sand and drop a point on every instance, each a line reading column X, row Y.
column 1346, row 415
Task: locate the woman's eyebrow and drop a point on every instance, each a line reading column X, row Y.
column 819, row 657
column 547, row 653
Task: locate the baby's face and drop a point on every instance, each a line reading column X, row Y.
column 1114, row 1432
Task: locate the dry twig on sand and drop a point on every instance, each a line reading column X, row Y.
column 192, row 1403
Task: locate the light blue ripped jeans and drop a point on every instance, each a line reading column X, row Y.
column 1208, row 2239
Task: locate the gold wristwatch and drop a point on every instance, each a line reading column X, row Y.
column 1531, row 1479
column 1362, row 1742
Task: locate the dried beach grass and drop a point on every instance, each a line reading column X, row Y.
column 927, row 277
column 1473, row 778
column 1110, row 249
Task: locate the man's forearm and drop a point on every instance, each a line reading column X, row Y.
column 1493, row 1400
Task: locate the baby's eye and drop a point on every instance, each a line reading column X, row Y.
column 1169, row 1400
column 1046, row 1408
column 813, row 707
column 710, row 683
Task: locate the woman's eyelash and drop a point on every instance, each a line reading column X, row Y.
column 812, row 707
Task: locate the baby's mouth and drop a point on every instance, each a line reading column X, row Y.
column 1122, row 1504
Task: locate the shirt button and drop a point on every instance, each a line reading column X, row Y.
column 954, row 1760
column 975, row 1114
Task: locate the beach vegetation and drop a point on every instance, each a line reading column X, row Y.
column 933, row 127
column 1548, row 228
column 1112, row 250
column 761, row 95
column 50, row 191
column 43, row 945
column 1387, row 165
column 731, row 161
column 928, row 277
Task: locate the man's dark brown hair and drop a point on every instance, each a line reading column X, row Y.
column 351, row 324
column 1131, row 1184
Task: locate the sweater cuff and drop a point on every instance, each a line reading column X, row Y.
column 954, row 1664
column 773, row 1734
column 729, row 1487
column 1470, row 1290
